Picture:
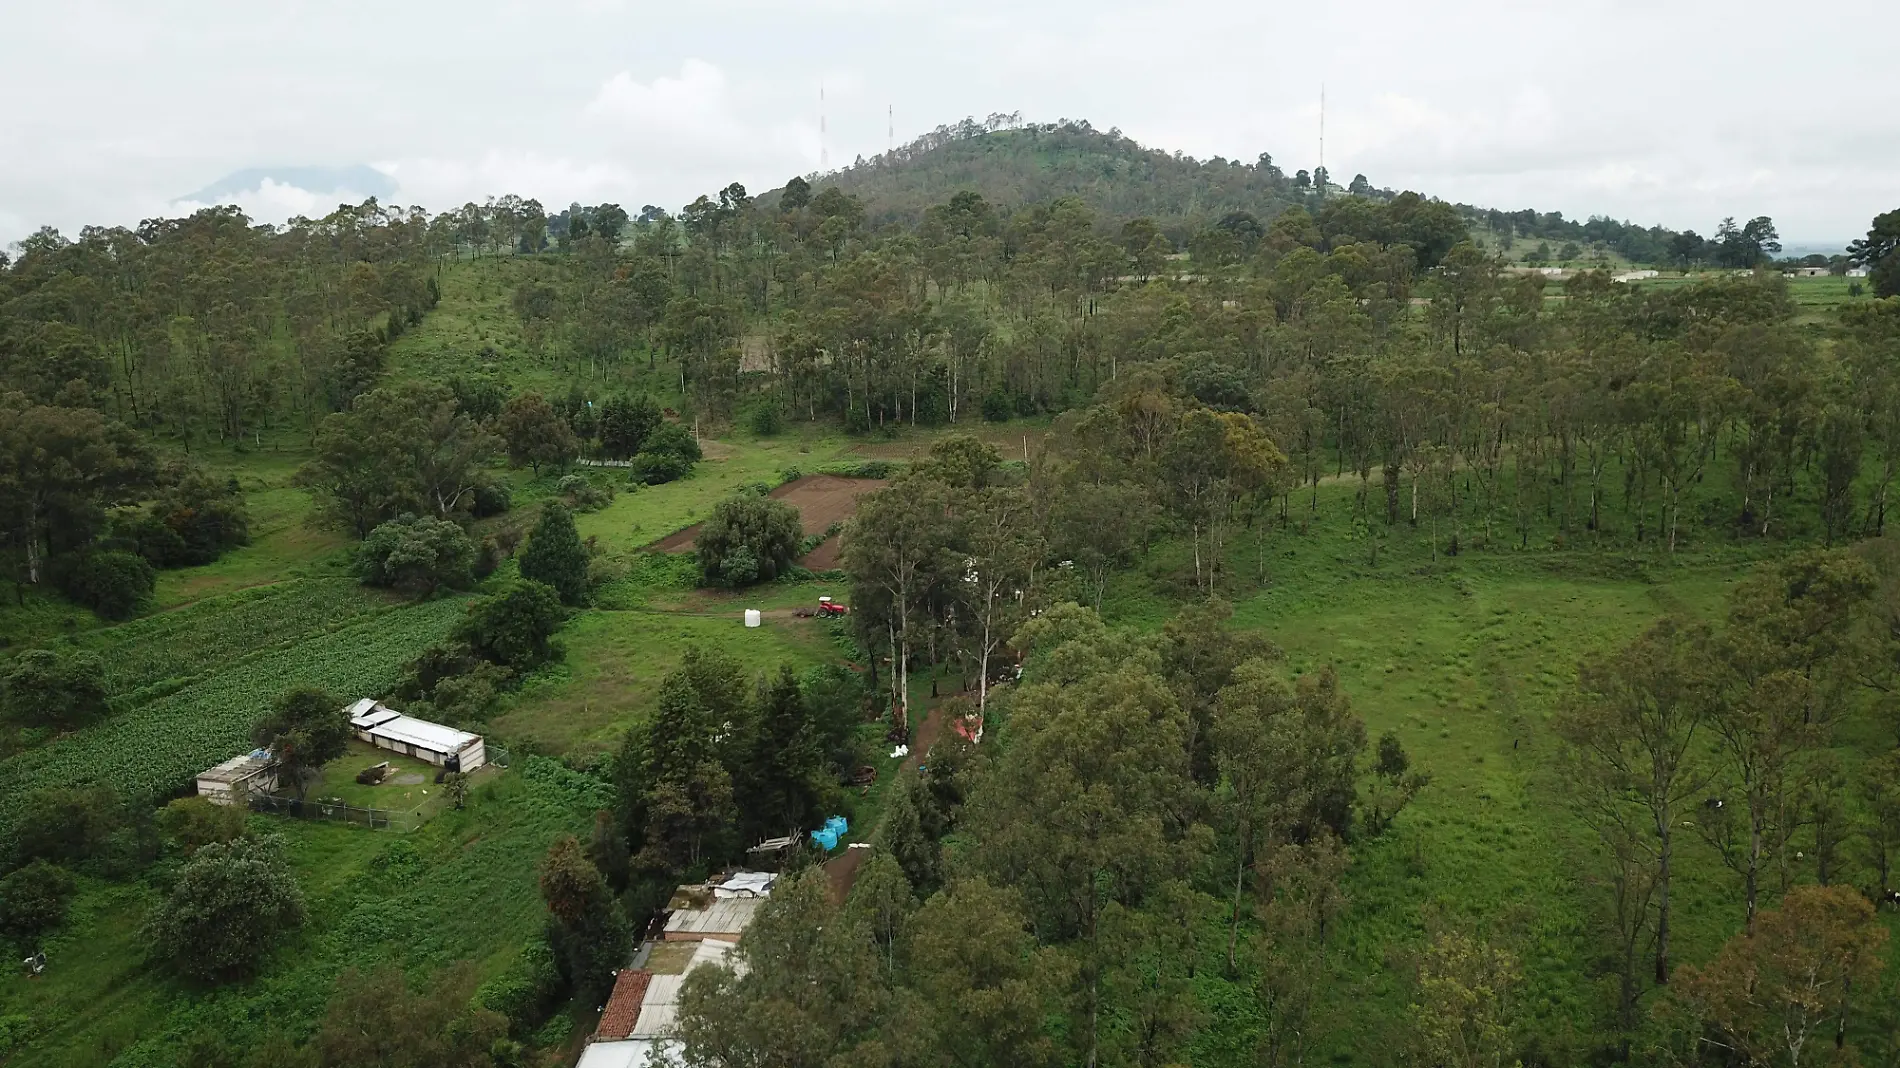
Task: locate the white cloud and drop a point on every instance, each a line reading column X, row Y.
column 441, row 183
column 694, row 104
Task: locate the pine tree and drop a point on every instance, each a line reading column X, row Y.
column 554, row 555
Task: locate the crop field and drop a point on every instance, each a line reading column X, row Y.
column 157, row 746
column 189, row 641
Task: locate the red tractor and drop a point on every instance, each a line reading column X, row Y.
column 829, row 607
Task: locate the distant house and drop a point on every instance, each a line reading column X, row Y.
column 1808, row 272
column 1634, row 276
column 241, row 776
column 1857, row 272
column 386, row 728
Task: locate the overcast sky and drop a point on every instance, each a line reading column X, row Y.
column 1670, row 111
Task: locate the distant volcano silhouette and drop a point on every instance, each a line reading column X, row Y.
column 358, row 179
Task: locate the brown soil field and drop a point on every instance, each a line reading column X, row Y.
column 821, row 500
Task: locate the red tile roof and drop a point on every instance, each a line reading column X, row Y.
column 623, row 1008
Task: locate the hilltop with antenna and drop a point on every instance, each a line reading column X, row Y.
column 1011, row 162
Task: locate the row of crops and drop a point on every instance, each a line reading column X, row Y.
column 158, row 746
column 211, row 633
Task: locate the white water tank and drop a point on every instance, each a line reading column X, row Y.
column 752, row 617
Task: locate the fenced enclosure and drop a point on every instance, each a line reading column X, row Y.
column 375, row 818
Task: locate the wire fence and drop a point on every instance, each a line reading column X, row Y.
column 336, row 811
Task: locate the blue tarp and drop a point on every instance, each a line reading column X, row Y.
column 828, row 835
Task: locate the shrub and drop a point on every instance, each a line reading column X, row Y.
column 582, row 494
column 749, row 538
column 673, row 438
column 230, row 905
column 112, row 583
column 555, row 556
column 516, row 627
column 417, row 555
column 997, row 407
column 43, row 688
column 527, row 991
column 33, row 901
column 492, row 497
column 653, row 469
column 767, row 418
column 67, row 825
column 626, row 423
column 195, row 519
column 191, row 823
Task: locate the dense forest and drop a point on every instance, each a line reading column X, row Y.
column 1144, row 404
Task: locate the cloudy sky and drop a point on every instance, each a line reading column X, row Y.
column 1670, row 111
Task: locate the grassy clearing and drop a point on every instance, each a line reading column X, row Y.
column 615, row 660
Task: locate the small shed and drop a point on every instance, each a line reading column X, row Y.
column 250, row 773
column 386, row 728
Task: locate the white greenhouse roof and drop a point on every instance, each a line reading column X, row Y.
column 381, row 721
column 412, row 731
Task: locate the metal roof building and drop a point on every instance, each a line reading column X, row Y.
column 250, row 773
column 386, row 728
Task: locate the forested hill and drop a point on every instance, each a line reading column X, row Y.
column 1012, row 164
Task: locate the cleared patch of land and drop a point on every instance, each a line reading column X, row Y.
column 821, row 500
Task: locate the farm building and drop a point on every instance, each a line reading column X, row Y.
column 251, row 773
column 386, row 728
column 717, row 911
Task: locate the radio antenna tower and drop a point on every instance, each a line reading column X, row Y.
column 890, row 130
column 824, row 154
column 1322, row 127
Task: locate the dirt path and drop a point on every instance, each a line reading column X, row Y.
column 842, row 871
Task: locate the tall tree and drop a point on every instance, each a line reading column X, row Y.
column 1793, row 981
column 555, row 556
column 305, row 729
column 1634, row 764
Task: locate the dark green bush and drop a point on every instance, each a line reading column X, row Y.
column 749, row 538
column 653, row 469
column 112, row 583
column 417, row 555
column 33, row 901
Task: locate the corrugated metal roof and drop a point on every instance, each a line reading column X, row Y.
column 659, row 1011
column 368, row 713
column 630, row 1053
column 409, row 730
column 727, row 916
column 236, row 769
